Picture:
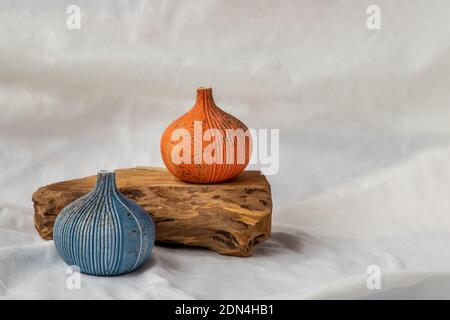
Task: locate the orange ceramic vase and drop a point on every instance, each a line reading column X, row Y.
column 206, row 145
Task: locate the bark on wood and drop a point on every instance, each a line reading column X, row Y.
column 230, row 218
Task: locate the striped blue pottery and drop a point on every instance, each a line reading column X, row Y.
column 104, row 233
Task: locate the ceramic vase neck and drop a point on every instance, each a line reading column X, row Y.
column 106, row 181
column 205, row 99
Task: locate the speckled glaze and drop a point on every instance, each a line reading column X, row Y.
column 104, row 233
column 211, row 117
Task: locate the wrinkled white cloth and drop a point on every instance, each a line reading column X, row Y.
column 364, row 175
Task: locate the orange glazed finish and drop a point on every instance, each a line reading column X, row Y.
column 207, row 116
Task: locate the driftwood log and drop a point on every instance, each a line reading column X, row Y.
column 230, row 218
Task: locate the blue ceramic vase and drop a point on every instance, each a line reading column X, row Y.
column 104, row 233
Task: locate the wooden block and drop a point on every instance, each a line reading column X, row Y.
column 230, row 218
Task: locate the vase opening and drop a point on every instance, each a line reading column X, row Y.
column 106, row 171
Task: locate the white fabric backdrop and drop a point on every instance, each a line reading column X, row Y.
column 364, row 137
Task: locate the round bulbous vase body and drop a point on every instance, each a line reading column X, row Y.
column 206, row 145
column 104, row 233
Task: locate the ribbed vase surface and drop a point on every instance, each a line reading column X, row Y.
column 104, row 233
column 206, row 144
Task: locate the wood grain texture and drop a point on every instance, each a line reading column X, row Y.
column 230, row 218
